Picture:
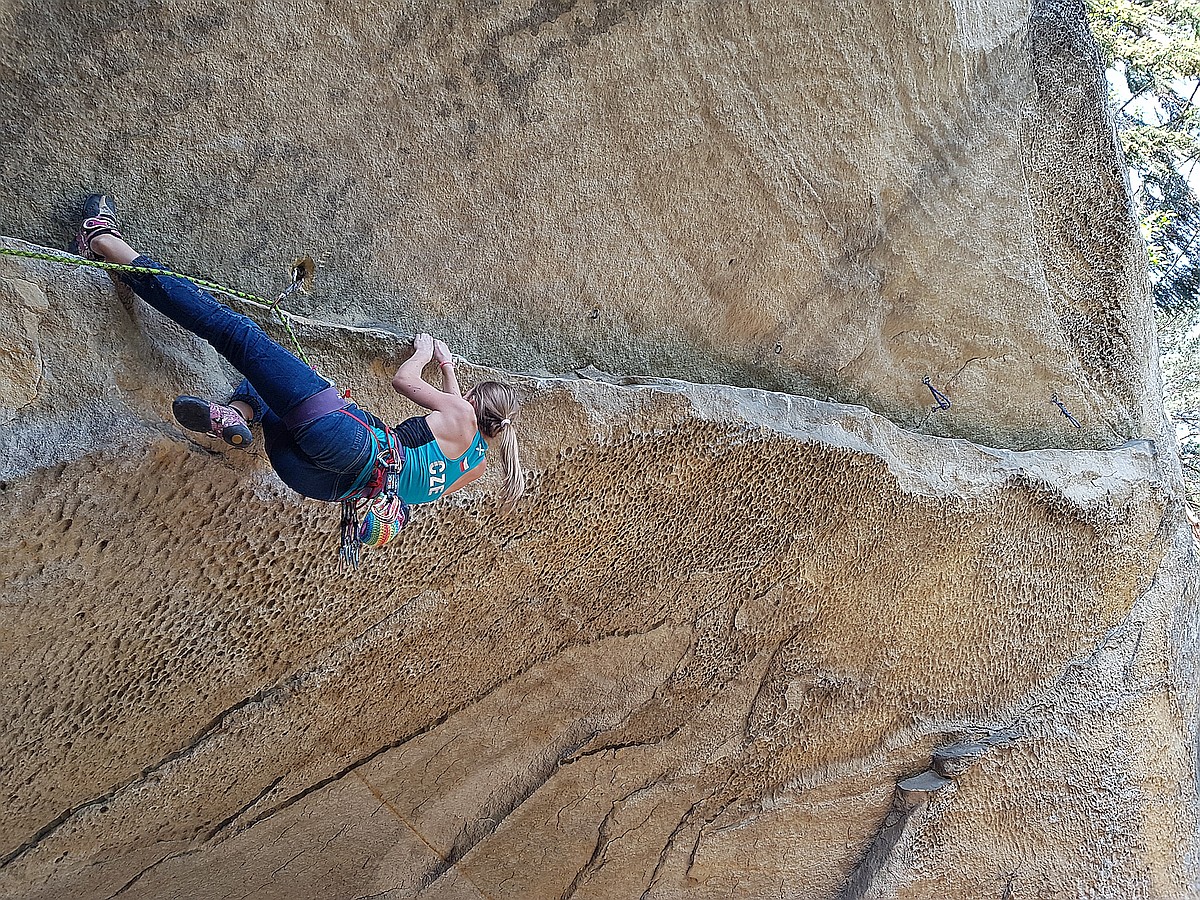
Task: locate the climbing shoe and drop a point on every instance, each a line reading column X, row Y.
column 99, row 218
column 224, row 422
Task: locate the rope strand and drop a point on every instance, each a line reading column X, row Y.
column 281, row 315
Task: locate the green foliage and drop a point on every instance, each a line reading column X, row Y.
column 1179, row 340
column 1158, row 149
column 1155, row 46
column 1152, row 226
column 1158, row 39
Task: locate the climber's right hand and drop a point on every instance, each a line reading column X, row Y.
column 441, row 352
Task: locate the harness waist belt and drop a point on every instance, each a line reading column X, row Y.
column 319, row 404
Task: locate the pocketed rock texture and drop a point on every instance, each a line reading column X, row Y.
column 706, row 659
column 739, row 640
column 831, row 199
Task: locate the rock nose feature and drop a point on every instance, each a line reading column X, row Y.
column 854, row 559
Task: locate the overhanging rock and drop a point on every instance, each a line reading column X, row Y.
column 724, row 624
column 729, row 632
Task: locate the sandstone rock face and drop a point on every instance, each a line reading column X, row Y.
column 811, row 197
column 738, row 641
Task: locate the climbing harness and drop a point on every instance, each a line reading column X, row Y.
column 372, row 511
column 372, row 497
column 943, row 402
column 1062, row 407
column 302, row 273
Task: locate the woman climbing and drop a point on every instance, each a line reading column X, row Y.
column 320, row 444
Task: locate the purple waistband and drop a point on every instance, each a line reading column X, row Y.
column 319, row 404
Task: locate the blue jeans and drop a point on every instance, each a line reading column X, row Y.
column 320, row 460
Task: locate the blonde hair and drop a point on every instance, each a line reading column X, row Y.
column 496, row 407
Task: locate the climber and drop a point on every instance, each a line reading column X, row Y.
column 320, row 444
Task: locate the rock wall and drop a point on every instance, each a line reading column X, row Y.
column 811, row 197
column 738, row 641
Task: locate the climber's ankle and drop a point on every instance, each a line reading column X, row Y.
column 113, row 249
column 244, row 408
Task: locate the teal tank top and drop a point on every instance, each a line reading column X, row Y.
column 427, row 473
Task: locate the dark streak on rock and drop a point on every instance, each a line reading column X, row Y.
column 202, row 25
column 603, row 839
column 513, row 84
column 503, row 804
column 213, row 832
column 400, row 742
column 672, row 706
column 358, row 763
column 214, row 726
column 887, row 838
column 656, row 875
column 623, row 745
column 138, row 877
column 541, row 13
column 270, row 696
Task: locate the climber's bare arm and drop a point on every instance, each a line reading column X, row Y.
column 446, row 362
column 409, row 383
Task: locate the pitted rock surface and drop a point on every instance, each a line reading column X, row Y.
column 730, row 621
column 723, row 626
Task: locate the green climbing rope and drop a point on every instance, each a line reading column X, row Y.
column 283, row 317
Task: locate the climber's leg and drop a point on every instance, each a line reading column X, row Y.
column 245, row 400
column 320, row 458
column 278, row 377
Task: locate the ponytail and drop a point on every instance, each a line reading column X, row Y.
column 497, row 406
column 512, row 476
